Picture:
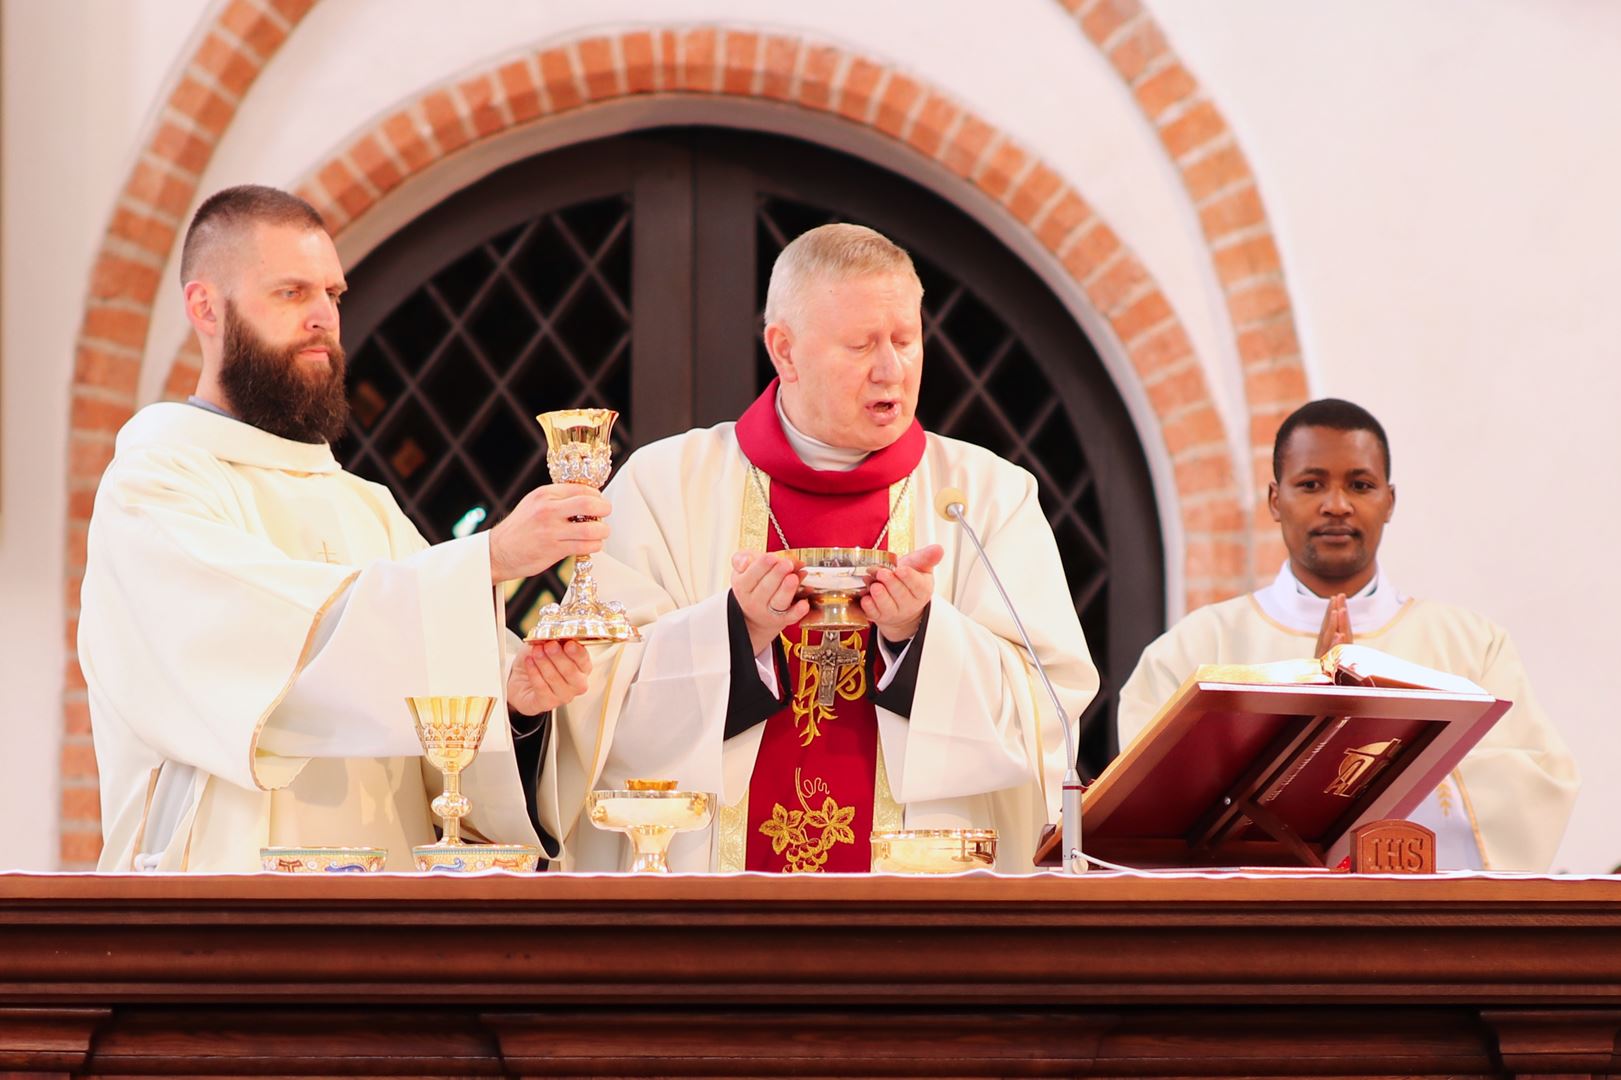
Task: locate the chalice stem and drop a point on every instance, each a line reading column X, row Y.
column 453, row 800
column 651, row 843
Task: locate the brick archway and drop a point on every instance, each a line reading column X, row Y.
column 1222, row 188
column 242, row 36
column 532, row 87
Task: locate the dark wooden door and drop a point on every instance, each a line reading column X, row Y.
column 630, row 273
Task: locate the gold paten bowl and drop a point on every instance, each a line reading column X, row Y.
column 933, row 851
column 834, row 580
column 323, row 860
column 836, row 569
column 653, row 808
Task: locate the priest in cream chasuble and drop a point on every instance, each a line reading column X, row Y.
column 813, row 800
column 1506, row 805
column 253, row 616
column 813, row 740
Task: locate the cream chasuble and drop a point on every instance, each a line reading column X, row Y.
column 1504, row 807
column 982, row 746
column 252, row 619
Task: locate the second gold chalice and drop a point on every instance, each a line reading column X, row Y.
column 650, row 813
column 834, row 580
column 450, row 730
column 578, row 451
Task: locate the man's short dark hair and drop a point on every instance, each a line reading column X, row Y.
column 1331, row 413
column 225, row 212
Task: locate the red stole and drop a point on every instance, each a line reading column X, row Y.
column 811, row 793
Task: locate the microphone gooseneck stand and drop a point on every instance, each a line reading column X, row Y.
column 952, row 504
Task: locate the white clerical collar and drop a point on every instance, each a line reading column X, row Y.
column 172, row 424
column 1289, row 602
column 819, row 455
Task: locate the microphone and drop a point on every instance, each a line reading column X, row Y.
column 952, row 504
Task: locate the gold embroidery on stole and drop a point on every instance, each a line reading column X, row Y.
column 789, row 830
column 887, row 814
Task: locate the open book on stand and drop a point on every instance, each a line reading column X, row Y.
column 1275, row 764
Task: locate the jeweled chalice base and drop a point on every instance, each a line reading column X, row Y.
column 476, row 858
column 933, row 851
column 586, row 629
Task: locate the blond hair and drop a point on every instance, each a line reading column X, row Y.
column 835, row 252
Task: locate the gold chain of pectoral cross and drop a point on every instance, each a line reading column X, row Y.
column 836, row 668
column 765, row 500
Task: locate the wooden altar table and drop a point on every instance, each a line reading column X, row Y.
column 1325, row 975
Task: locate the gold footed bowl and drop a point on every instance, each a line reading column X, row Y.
column 476, row 858
column 650, row 813
column 323, row 860
column 933, row 851
column 834, row 580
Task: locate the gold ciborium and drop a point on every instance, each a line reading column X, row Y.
column 650, row 812
column 834, row 580
column 578, row 452
column 933, row 851
column 450, row 729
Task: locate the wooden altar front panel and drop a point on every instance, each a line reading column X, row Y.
column 1047, row 976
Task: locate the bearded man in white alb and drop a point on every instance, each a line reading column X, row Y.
column 253, row 616
column 932, row 716
column 1506, row 805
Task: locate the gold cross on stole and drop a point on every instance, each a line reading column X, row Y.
column 326, row 553
column 832, row 661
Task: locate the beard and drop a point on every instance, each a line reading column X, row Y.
column 1339, row 565
column 266, row 385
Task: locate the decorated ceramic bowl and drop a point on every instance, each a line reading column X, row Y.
column 323, row 860
column 476, row 858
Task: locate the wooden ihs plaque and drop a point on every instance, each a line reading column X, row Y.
column 1392, row 846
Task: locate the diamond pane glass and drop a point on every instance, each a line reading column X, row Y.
column 443, row 393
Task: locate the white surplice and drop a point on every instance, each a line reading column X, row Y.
column 1506, row 805
column 982, row 747
column 252, row 618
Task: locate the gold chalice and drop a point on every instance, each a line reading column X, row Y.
column 834, row 580
column 650, row 812
column 450, row 729
column 933, row 851
column 578, row 452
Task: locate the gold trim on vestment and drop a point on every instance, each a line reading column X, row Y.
column 1474, row 823
column 146, row 812
column 734, row 823
column 751, row 532
column 887, row 814
column 602, row 726
column 902, row 519
column 1401, row 612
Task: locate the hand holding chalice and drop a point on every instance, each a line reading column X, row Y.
column 578, row 451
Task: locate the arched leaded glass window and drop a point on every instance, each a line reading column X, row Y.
column 630, row 274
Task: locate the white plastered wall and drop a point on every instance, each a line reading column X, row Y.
column 1445, row 182
column 79, row 80
column 1381, row 292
